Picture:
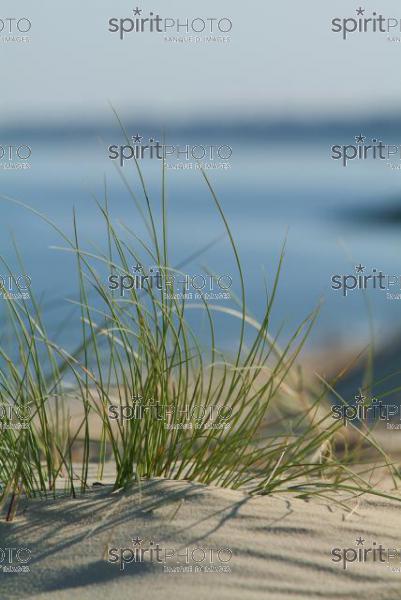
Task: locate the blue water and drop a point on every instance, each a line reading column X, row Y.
column 274, row 189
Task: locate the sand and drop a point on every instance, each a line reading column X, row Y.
column 281, row 546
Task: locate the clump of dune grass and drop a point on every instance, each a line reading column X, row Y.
column 280, row 437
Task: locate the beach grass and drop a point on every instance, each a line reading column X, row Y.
column 139, row 352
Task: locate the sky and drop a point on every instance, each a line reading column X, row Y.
column 282, row 60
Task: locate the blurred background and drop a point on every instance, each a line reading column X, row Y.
column 281, row 92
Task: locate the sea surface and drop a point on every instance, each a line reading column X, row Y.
column 278, row 185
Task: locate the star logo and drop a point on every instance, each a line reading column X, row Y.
column 360, row 399
column 360, row 11
column 137, row 11
column 137, row 268
column 137, row 541
column 137, row 138
column 360, row 541
column 360, row 138
column 359, row 268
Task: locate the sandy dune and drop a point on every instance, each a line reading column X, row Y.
column 281, row 546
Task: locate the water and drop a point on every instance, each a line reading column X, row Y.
column 275, row 188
